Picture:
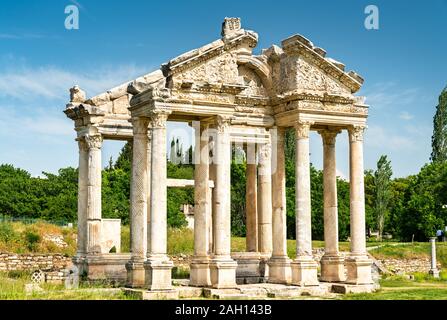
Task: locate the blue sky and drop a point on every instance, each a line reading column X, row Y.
column 403, row 63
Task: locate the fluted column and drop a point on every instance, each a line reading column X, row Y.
column 332, row 264
column 358, row 264
column 304, row 267
column 82, row 198
column 94, row 180
column 158, row 265
column 251, row 200
column 200, row 272
column 223, row 268
column 139, row 197
column 265, row 200
column 279, row 263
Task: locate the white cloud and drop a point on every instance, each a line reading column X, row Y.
column 379, row 137
column 38, row 124
column 31, row 84
column 342, row 175
column 389, row 95
column 404, row 115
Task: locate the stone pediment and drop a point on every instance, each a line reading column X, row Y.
column 306, row 67
column 216, row 68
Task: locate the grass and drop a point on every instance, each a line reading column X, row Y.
column 17, row 237
column 411, row 251
column 12, row 287
column 399, row 288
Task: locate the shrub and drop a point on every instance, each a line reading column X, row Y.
column 32, row 239
column 7, row 232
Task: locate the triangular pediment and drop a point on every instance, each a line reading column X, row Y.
column 314, row 71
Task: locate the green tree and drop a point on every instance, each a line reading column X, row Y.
column 124, row 160
column 17, row 193
column 238, row 189
column 369, row 200
column 425, row 200
column 382, row 192
column 439, row 138
column 58, row 194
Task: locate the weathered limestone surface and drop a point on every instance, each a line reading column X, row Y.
column 358, row 264
column 222, row 267
column 139, row 205
column 304, row 267
column 279, row 263
column 158, row 265
column 251, row 210
column 200, row 270
column 242, row 98
column 332, row 264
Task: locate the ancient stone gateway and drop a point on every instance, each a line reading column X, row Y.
column 229, row 96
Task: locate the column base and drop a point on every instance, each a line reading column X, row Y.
column 304, row 272
column 359, row 270
column 280, row 270
column 110, row 267
column 200, row 272
column 223, row 273
column 332, row 268
column 434, row 273
column 135, row 274
column 158, row 273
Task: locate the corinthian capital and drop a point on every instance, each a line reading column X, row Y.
column 329, row 136
column 159, row 119
column 265, row 152
column 140, row 125
column 94, row 141
column 222, row 123
column 82, row 144
column 302, row 129
column 356, row 133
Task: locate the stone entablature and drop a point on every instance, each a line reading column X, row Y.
column 224, row 77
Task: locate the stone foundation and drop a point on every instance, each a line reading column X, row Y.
column 103, row 267
column 253, row 291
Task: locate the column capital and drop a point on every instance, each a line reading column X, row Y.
column 302, row 128
column 93, row 141
column 159, row 118
column 223, row 123
column 82, row 144
column 329, row 136
column 356, row 133
column 265, row 152
column 140, row 125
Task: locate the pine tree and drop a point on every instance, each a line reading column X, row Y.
column 382, row 180
column 439, row 138
column 124, row 160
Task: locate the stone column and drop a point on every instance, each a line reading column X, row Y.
column 265, row 200
column 358, row 264
column 279, row 263
column 251, row 220
column 304, row 267
column 158, row 265
column 200, row 271
column 94, row 179
column 332, row 263
column 434, row 271
column 139, row 197
column 223, row 268
column 82, row 198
